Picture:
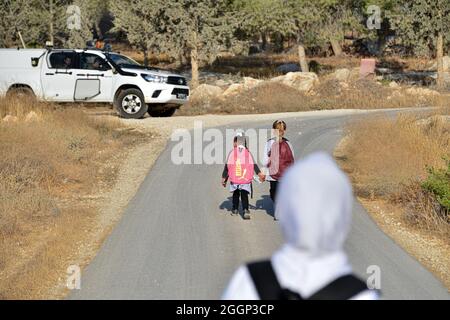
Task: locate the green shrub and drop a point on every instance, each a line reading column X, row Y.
column 438, row 183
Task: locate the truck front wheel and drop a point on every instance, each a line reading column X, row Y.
column 130, row 104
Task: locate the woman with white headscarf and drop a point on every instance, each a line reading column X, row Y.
column 314, row 210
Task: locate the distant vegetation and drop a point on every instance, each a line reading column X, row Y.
column 195, row 32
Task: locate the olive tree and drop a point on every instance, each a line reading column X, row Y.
column 424, row 26
column 203, row 28
column 141, row 21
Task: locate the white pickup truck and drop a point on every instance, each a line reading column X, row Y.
column 62, row 75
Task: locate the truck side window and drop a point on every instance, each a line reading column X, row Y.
column 62, row 60
column 90, row 61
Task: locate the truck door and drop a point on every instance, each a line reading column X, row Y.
column 58, row 77
column 94, row 79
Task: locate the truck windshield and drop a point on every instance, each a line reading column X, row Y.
column 123, row 61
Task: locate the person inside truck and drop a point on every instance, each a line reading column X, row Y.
column 67, row 62
column 98, row 64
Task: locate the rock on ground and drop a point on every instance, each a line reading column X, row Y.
column 234, row 89
column 250, row 83
column 9, row 118
column 422, row 92
column 206, row 91
column 342, row 75
column 302, row 81
column 32, row 117
column 394, row 85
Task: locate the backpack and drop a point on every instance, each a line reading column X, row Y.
column 240, row 166
column 269, row 288
column 281, row 158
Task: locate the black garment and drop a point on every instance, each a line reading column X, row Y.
column 244, row 197
column 273, row 190
column 268, row 287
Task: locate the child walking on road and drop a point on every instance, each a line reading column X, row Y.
column 240, row 168
column 278, row 156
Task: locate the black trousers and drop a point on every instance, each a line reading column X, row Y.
column 273, row 190
column 240, row 194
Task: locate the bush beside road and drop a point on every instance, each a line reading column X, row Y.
column 399, row 169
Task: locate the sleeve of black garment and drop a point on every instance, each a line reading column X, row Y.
column 225, row 172
column 256, row 168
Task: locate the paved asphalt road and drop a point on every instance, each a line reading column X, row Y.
column 177, row 240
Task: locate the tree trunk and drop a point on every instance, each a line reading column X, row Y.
column 98, row 30
column 264, row 41
column 51, row 28
column 183, row 59
column 194, row 67
column 336, row 47
column 302, row 58
column 21, row 40
column 440, row 60
column 145, row 51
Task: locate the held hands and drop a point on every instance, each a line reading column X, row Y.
column 262, row 177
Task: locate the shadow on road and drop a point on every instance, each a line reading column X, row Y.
column 228, row 205
column 264, row 204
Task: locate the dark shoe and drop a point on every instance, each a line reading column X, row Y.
column 234, row 212
column 246, row 215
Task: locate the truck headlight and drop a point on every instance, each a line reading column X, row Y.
column 154, row 78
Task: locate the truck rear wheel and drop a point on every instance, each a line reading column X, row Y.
column 162, row 113
column 130, row 104
column 20, row 92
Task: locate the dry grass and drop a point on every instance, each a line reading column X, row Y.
column 267, row 98
column 405, row 64
column 388, row 159
column 368, row 94
column 329, row 94
column 48, row 169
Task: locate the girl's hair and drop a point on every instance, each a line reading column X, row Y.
column 277, row 124
column 240, row 138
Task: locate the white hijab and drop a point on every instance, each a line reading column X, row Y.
column 314, row 205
